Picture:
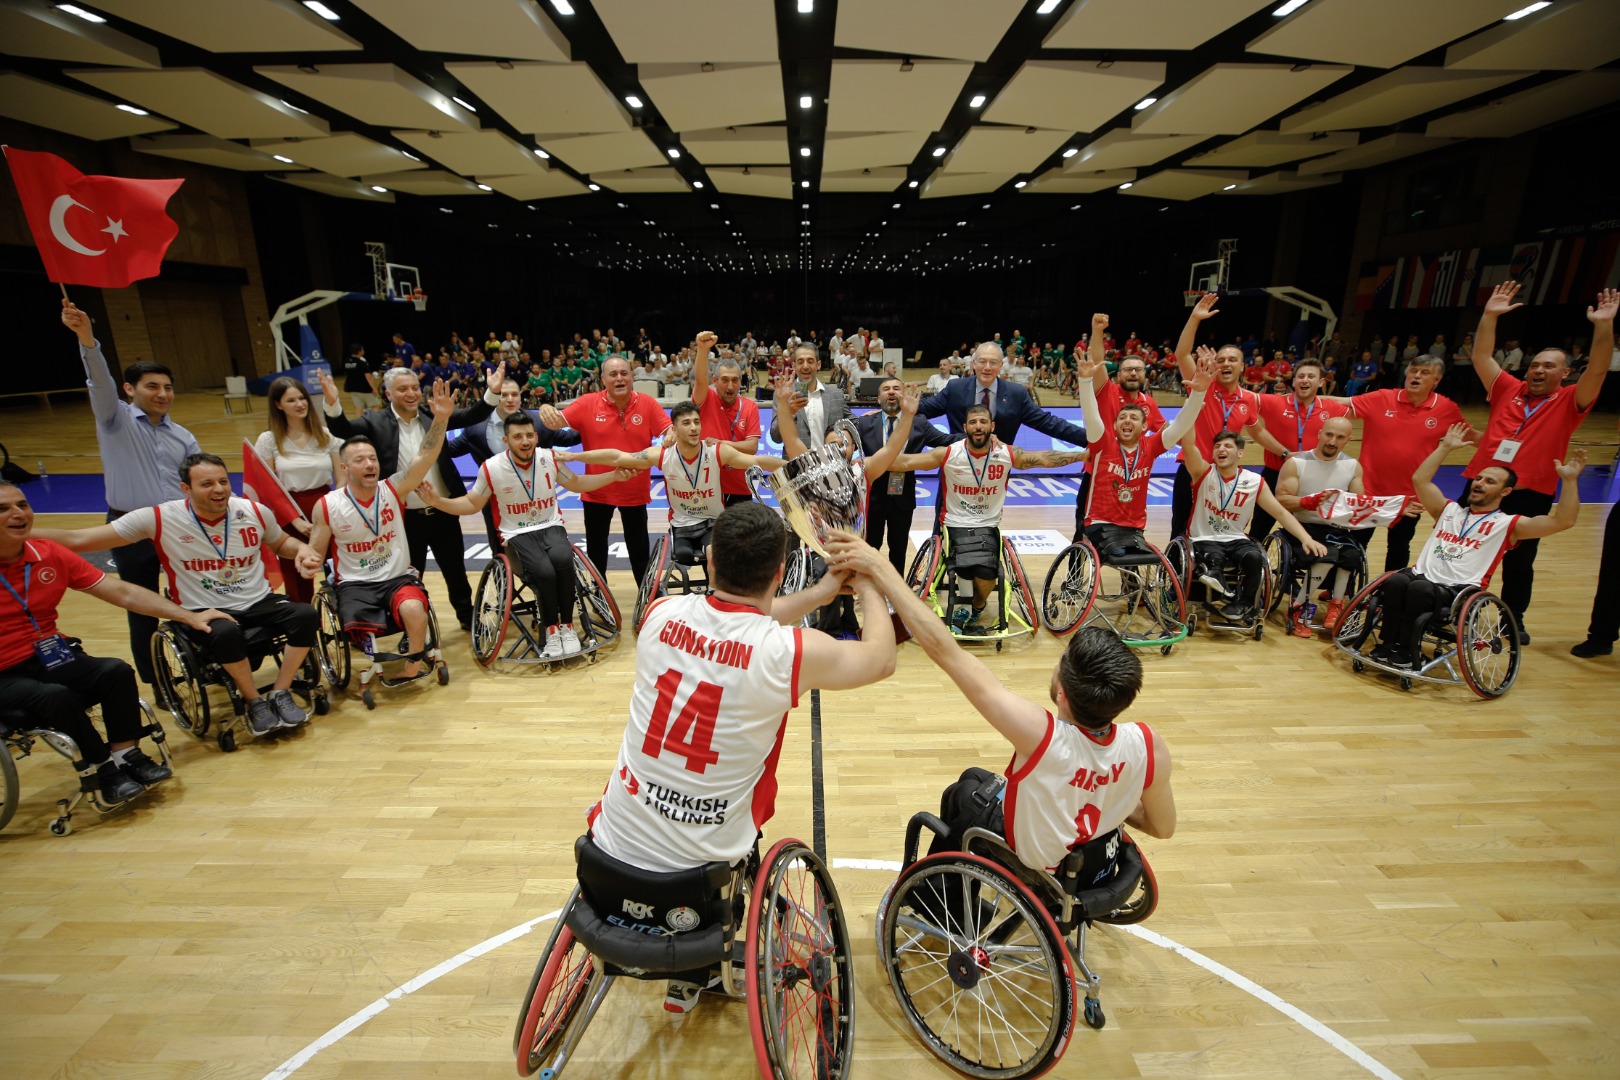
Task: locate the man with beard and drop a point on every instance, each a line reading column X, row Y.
column 893, row 498
column 1293, row 422
column 1128, row 387
column 1324, row 467
column 484, row 441
column 729, row 419
column 1530, row 425
column 824, row 405
column 1468, row 542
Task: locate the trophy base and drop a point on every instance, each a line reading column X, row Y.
column 901, row 634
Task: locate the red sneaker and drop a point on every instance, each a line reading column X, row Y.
column 1335, row 612
column 1297, row 624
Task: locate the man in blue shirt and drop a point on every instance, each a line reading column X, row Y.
column 402, row 349
column 1362, row 374
column 141, row 451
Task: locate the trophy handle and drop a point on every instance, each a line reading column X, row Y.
column 857, row 455
column 757, row 480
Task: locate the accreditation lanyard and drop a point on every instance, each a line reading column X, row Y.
column 1470, row 523
column 1227, row 410
column 374, row 522
column 1301, row 418
column 22, row 601
column 224, row 553
column 1529, row 413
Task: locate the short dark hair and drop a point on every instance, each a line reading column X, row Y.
column 134, row 372
column 1309, row 361
column 1100, row 675
column 1512, row 477
column 682, row 408
column 354, row 440
column 971, row 409
column 517, row 420
column 1231, row 437
column 748, row 544
column 199, row 459
column 1133, row 407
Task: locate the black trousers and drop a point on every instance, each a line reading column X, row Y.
column 1606, row 604
column 1406, row 595
column 138, row 564
column 226, row 641
column 57, row 699
column 1215, row 556
column 432, row 529
column 891, row 515
column 1398, row 555
column 1181, row 502
column 633, row 519
column 545, row 561
column 1261, row 525
column 1519, row 562
column 734, row 499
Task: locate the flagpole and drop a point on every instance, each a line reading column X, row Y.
column 63, row 287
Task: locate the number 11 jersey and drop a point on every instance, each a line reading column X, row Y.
column 696, row 777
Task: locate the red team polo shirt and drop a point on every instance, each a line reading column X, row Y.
column 1396, row 436
column 735, row 424
column 1109, row 501
column 1295, row 430
column 55, row 571
column 1223, row 412
column 1541, row 427
column 1112, row 396
column 600, row 426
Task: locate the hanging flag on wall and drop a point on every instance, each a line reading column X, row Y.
column 106, row 231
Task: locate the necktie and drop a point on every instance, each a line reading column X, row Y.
column 888, row 429
column 984, row 397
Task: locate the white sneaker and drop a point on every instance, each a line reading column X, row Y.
column 570, row 641
column 554, row 645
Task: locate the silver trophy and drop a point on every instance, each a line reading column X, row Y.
column 821, row 489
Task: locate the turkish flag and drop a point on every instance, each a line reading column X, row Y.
column 262, row 485
column 105, row 231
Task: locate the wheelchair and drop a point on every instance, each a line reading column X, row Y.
column 183, row 672
column 1184, row 563
column 1288, row 571
column 678, row 563
column 933, row 577
column 1471, row 638
column 981, row 950
column 335, row 648
column 1152, row 608
column 771, row 930
column 19, row 734
column 503, row 606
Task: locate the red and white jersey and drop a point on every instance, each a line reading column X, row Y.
column 975, row 486
column 1465, row 547
column 1223, row 509
column 692, row 487
column 1074, row 787
column 1119, row 479
column 210, row 564
column 520, row 500
column 368, row 538
column 696, row 777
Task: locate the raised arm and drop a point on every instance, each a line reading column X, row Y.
column 1099, row 329
column 788, row 404
column 1597, row 366
column 1569, row 502
column 1085, row 369
column 735, row 459
column 443, row 405
column 1187, row 418
column 1045, row 459
column 332, row 405
column 700, row 365
column 617, row 459
column 1428, row 492
column 1499, row 304
column 1204, row 309
column 882, row 461
column 844, row 665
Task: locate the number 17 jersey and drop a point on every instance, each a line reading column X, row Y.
column 696, row 776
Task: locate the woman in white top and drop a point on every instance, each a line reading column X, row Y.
column 303, row 455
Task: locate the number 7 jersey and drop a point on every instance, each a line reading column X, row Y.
column 696, row 776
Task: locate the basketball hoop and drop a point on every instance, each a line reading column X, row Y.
column 1189, row 296
column 419, row 298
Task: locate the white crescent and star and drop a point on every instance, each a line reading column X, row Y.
column 59, row 229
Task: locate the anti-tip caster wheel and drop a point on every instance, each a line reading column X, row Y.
column 1259, row 631
column 1406, row 683
column 61, row 827
column 1164, row 650
column 443, row 672
column 1094, row 1014
column 1357, row 666
column 227, row 741
column 367, row 697
column 323, row 704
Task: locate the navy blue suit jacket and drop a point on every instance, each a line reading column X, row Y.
column 1013, row 409
column 924, row 436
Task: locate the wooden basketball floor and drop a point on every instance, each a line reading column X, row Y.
column 1434, row 878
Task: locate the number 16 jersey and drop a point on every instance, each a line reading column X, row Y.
column 696, row 777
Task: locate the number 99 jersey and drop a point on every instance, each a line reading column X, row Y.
column 696, row 777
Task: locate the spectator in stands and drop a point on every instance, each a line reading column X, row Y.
column 360, row 378
column 1363, row 373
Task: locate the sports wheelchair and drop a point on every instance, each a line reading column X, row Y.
column 772, row 931
column 502, row 604
column 1289, row 567
column 1471, row 637
column 678, row 563
column 933, row 577
column 335, row 647
column 19, row 733
column 981, row 950
column 183, row 671
column 1152, row 608
column 1183, row 561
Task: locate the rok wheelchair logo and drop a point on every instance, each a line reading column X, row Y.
column 637, row 911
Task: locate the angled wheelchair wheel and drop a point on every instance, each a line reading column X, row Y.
column 1487, row 645
column 1017, row 585
column 801, row 987
column 1142, row 902
column 1070, row 589
column 332, row 643
column 796, row 577
column 1279, row 561
column 1178, row 553
column 557, row 995
column 924, row 567
column 177, row 673
column 978, row 967
column 596, row 601
column 1360, row 616
column 8, row 778
column 1266, row 595
column 492, row 610
column 652, row 583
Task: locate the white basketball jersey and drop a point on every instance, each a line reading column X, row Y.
column 1316, row 475
column 975, row 487
column 520, row 500
column 696, row 777
column 209, row 564
column 1074, row 787
column 368, row 539
column 692, row 487
column 1465, row 548
column 1223, row 509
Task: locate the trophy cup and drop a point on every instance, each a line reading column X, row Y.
column 821, row 490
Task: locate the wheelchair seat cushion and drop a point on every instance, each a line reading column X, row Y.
column 689, row 541
column 650, row 904
column 973, row 552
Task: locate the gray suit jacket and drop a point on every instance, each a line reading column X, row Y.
column 833, row 409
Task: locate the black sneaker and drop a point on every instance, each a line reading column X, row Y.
column 1383, row 654
column 143, row 770
column 287, row 710
column 1524, row 636
column 1592, row 648
column 261, row 717
column 116, row 787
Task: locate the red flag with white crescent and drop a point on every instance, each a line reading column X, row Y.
column 106, row 231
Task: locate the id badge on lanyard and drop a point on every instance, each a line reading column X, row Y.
column 52, row 649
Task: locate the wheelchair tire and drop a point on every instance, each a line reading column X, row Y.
column 1360, row 616
column 920, row 574
column 795, row 577
column 1070, row 588
column 8, row 778
column 176, row 672
column 596, row 604
column 948, row 979
column 331, row 642
column 801, row 980
column 492, row 610
column 652, row 582
column 1279, row 559
column 1487, row 645
column 1018, row 584
column 1142, row 902
column 556, row 993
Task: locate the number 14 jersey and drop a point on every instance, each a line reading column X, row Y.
column 696, row 777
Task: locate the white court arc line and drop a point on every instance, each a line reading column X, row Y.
column 1219, row 970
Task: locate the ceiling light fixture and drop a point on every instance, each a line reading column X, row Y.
column 674, row 153
column 594, row 187
column 563, row 7
column 293, row 107
column 1289, row 8
column 410, row 155
column 806, row 6
column 1126, row 186
column 632, row 101
column 705, row 67
column 804, row 183
column 1047, row 7
column 133, row 110
column 1070, row 152
column 912, row 184
column 939, row 151
column 976, row 101
column 698, row 184
column 804, row 151
column 379, row 189
column 485, row 187
column 322, row 10
column 90, row 16
column 1021, row 184
column 541, row 154
column 445, row 210
column 1521, row 13
column 1228, row 187
column 1145, row 102
column 463, row 104
column 906, row 64
column 283, row 158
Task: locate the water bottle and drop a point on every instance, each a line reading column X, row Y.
column 1310, row 614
